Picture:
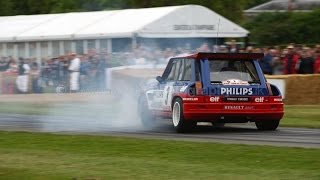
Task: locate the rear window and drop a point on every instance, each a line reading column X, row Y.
column 224, row 70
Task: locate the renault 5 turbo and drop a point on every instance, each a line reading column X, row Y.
column 212, row 87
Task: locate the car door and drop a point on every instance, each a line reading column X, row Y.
column 170, row 80
column 159, row 99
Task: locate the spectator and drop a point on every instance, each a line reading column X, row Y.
column 223, row 49
column 317, row 61
column 306, row 62
column 101, row 72
column 12, row 66
column 3, row 64
column 265, row 62
column 249, row 49
column 290, row 60
column 204, row 48
column 277, row 65
column 138, row 59
column 74, row 69
column 22, row 79
column 35, row 76
column 233, row 46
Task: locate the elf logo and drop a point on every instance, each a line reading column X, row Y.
column 236, row 91
column 259, row 99
column 214, row 99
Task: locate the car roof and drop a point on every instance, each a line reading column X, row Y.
column 212, row 55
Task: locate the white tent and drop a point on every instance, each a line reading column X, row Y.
column 163, row 22
column 42, row 36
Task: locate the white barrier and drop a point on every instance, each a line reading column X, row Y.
column 148, row 66
column 281, row 85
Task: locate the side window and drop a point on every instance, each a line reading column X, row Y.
column 173, row 75
column 198, row 70
column 185, row 71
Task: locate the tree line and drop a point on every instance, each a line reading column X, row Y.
column 284, row 28
column 229, row 8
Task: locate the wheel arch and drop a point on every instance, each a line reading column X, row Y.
column 174, row 99
column 275, row 90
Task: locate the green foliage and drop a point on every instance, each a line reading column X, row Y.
column 6, row 7
column 283, row 28
column 252, row 3
column 228, row 8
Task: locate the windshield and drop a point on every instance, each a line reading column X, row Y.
column 236, row 70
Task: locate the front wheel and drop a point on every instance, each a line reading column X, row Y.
column 267, row 124
column 179, row 123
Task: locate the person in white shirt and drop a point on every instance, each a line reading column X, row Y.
column 74, row 69
column 23, row 76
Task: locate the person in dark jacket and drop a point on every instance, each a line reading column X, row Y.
column 306, row 64
column 265, row 63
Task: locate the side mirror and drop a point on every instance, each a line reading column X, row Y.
column 159, row 79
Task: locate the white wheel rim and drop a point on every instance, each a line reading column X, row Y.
column 176, row 114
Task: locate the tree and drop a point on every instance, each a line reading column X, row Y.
column 283, row 28
column 6, row 8
column 231, row 9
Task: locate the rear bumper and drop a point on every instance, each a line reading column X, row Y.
column 240, row 111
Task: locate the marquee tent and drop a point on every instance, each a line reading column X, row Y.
column 174, row 22
column 34, row 31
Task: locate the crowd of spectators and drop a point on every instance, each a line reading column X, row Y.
column 52, row 72
column 293, row 59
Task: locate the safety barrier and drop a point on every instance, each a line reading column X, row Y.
column 300, row 89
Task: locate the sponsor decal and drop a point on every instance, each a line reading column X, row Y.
column 238, row 107
column 236, row 91
column 259, row 99
column 190, row 99
column 235, row 82
column 203, row 27
column 277, row 99
column 214, row 99
column 237, row 99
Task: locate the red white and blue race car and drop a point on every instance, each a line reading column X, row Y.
column 212, row 87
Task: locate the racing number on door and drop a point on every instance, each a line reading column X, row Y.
column 167, row 95
column 167, row 91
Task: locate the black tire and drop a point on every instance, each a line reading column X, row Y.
column 267, row 125
column 147, row 118
column 178, row 121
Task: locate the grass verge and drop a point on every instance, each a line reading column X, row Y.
column 301, row 116
column 48, row 156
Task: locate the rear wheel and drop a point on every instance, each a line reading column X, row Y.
column 146, row 116
column 267, row 124
column 179, row 123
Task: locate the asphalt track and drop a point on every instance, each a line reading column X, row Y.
column 239, row 134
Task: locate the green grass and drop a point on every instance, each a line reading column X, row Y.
column 60, row 109
column 295, row 115
column 301, row 116
column 49, row 156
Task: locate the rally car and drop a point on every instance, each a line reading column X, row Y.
column 212, row 87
